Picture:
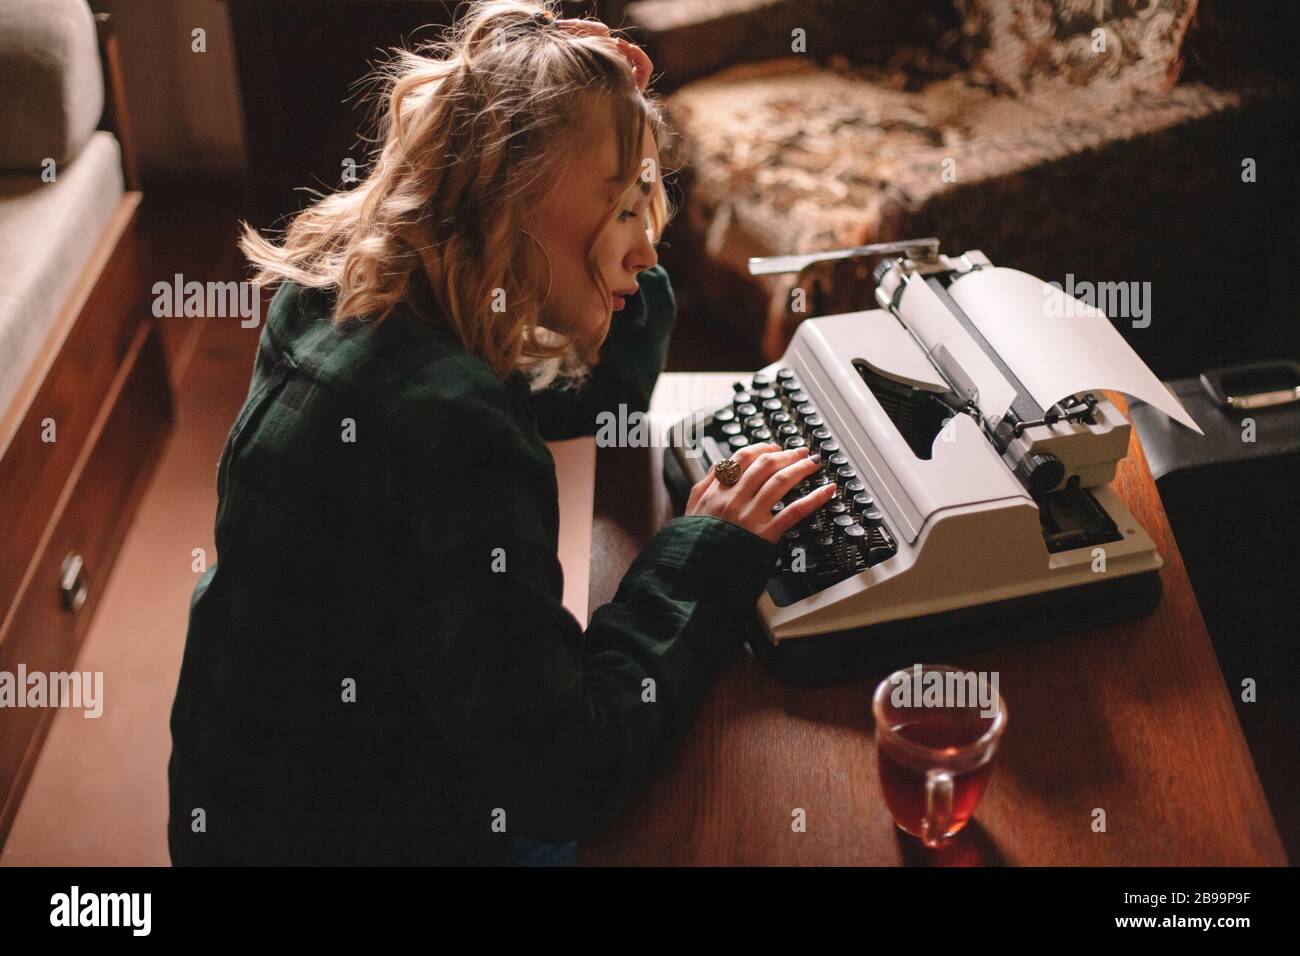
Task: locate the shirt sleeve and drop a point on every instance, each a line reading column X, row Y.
column 631, row 358
column 560, row 725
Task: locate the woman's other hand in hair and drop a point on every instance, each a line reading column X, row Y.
column 640, row 62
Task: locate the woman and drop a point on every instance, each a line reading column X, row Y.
column 379, row 668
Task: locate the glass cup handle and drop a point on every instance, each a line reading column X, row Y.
column 938, row 807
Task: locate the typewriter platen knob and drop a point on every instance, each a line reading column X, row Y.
column 1041, row 471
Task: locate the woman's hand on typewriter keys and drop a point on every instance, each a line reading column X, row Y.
column 768, row 474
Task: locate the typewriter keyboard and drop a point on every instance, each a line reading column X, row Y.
column 847, row 534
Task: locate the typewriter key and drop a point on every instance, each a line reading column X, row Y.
column 873, row 518
column 763, row 394
column 778, row 418
column 799, row 397
column 821, row 433
column 795, row 442
column 829, row 447
column 746, row 410
column 761, row 380
column 773, row 405
column 760, row 434
column 838, row 460
column 846, row 473
column 815, row 421
column 737, row 441
column 741, row 398
column 854, row 486
column 863, row 502
column 724, row 415
column 784, row 374
column 731, row 428
column 787, row 430
column 806, row 411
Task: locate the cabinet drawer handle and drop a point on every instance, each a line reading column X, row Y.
column 72, row 582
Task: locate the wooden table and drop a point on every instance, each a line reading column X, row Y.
column 1133, row 719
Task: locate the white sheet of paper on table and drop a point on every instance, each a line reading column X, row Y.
column 676, row 396
column 575, row 476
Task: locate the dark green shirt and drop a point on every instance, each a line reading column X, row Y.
column 363, row 680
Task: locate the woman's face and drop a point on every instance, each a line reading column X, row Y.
column 565, row 224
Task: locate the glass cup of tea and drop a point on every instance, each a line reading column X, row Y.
column 937, row 730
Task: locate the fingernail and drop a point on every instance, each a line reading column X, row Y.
column 816, row 458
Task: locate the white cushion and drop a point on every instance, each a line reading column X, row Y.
column 53, row 88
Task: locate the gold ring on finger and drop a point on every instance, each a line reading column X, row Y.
column 727, row 471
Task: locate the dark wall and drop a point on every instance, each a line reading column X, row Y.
column 299, row 62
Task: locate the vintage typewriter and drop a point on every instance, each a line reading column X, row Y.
column 973, row 504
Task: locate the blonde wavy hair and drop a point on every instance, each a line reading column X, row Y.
column 474, row 129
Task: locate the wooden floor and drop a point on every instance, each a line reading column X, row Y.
column 98, row 794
